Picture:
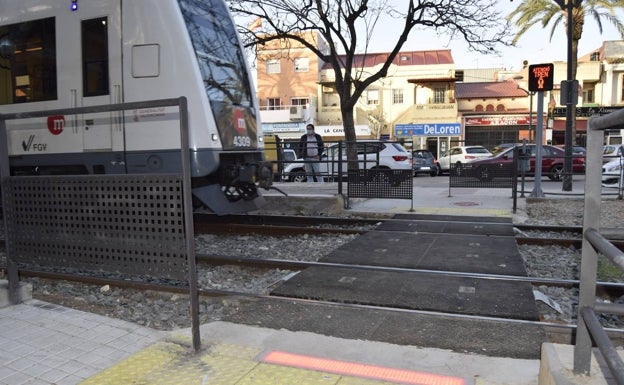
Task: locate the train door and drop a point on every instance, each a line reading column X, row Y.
column 100, row 59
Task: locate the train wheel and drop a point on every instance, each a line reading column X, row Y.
column 232, row 193
column 249, row 192
column 246, row 192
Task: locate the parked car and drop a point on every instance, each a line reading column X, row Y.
column 390, row 155
column 289, row 155
column 461, row 154
column 611, row 152
column 502, row 147
column 424, row 162
column 612, row 173
column 552, row 162
column 575, row 149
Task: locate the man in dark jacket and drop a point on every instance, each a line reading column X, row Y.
column 310, row 149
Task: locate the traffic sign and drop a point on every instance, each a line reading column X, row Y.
column 541, row 77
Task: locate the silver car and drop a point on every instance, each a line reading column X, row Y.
column 460, row 155
column 612, row 173
column 611, row 152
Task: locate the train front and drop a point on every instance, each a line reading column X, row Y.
column 234, row 106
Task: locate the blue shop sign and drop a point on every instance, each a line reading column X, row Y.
column 430, row 129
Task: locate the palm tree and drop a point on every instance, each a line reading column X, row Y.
column 554, row 12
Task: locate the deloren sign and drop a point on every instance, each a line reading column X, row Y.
column 427, row 129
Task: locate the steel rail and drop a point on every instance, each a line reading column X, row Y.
column 213, row 259
column 181, row 289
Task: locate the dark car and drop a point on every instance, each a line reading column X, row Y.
column 575, row 149
column 502, row 147
column 552, row 162
column 423, row 162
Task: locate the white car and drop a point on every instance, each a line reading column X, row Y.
column 612, row 173
column 391, row 155
column 461, row 155
column 612, row 152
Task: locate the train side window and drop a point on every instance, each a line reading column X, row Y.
column 95, row 76
column 28, row 62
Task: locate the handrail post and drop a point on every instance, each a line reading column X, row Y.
column 589, row 256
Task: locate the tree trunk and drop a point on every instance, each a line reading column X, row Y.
column 350, row 137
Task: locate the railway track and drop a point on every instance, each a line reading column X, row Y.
column 288, row 226
column 557, row 332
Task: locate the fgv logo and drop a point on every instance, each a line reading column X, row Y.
column 30, row 145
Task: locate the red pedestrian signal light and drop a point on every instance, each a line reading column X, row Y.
column 541, row 77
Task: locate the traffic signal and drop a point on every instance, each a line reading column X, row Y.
column 541, row 77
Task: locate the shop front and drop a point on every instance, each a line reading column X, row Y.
column 435, row 137
column 491, row 130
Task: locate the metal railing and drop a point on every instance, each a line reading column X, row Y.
column 588, row 327
column 372, row 179
column 40, row 182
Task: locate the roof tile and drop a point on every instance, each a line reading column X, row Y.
column 506, row 89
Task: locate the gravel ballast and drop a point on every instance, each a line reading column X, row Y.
column 170, row 311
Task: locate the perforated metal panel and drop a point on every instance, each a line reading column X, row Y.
column 131, row 224
column 483, row 175
column 380, row 183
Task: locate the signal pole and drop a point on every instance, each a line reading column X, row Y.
column 540, row 80
column 570, row 100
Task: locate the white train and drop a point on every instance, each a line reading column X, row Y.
column 57, row 54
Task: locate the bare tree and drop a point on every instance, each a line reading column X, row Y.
column 348, row 26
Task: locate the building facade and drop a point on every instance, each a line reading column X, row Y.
column 287, row 85
column 426, row 102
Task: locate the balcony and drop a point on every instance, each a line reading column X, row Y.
column 286, row 113
column 434, row 110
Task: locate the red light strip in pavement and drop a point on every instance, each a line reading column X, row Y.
column 360, row 370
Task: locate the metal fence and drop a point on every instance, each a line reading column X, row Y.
column 588, row 327
column 130, row 224
column 372, row 179
column 485, row 175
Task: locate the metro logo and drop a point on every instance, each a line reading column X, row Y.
column 239, row 121
column 56, row 124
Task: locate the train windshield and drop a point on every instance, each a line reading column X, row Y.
column 224, row 71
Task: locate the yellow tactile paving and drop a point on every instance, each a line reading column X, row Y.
column 139, row 365
column 172, row 362
column 267, row 374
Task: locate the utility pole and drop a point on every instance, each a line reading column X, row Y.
column 570, row 100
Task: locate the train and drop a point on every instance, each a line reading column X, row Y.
column 60, row 54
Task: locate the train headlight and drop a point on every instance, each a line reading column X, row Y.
column 214, row 137
column 74, row 5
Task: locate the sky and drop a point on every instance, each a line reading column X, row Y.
column 534, row 46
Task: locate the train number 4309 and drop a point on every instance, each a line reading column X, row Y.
column 241, row 141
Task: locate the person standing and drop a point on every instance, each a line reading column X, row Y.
column 311, row 149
